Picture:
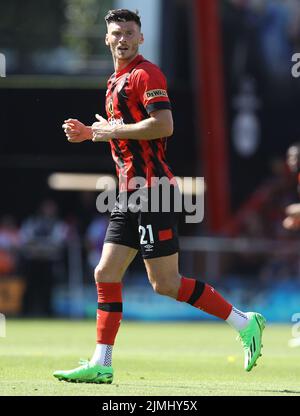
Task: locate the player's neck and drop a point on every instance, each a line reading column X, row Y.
column 121, row 64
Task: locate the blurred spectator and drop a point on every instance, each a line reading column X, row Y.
column 279, row 266
column 262, row 36
column 94, row 238
column 240, row 42
column 281, row 193
column 261, row 218
column 9, row 243
column 292, row 220
column 86, row 208
column 274, row 22
column 42, row 236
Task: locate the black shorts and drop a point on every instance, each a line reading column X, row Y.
column 154, row 233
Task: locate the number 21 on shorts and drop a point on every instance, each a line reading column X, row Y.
column 143, row 232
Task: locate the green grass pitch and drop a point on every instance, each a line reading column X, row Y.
column 150, row 359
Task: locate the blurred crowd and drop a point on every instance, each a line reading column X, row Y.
column 264, row 217
column 38, row 249
column 264, row 36
column 259, row 39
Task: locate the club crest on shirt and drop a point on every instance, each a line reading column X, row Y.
column 110, row 107
column 156, row 93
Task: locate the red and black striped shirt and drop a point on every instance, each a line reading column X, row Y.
column 132, row 94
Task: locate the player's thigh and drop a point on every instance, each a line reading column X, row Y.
column 113, row 263
column 163, row 274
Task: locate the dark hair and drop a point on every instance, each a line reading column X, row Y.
column 123, row 15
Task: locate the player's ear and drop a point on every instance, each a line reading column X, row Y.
column 106, row 40
column 141, row 41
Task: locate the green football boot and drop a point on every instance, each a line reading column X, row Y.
column 251, row 338
column 86, row 373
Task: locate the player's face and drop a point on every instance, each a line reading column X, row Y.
column 124, row 39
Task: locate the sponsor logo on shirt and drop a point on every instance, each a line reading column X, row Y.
column 116, row 121
column 156, row 93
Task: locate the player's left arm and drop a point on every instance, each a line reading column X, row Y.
column 159, row 124
column 150, row 89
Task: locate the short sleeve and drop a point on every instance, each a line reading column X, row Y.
column 151, row 88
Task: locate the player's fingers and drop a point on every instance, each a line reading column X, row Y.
column 68, row 126
column 71, row 123
column 72, row 138
column 100, row 118
column 69, row 130
column 72, row 135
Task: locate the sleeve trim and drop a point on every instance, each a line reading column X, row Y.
column 159, row 105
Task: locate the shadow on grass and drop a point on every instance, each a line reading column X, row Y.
column 195, row 386
column 280, row 391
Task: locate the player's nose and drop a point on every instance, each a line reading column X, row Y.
column 123, row 39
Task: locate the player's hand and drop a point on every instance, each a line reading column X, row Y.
column 101, row 130
column 76, row 131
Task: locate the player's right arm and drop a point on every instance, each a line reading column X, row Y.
column 76, row 131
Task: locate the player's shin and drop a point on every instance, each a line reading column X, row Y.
column 204, row 297
column 109, row 316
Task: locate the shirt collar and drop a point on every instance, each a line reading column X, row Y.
column 131, row 65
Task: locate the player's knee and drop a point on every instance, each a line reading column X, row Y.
column 98, row 273
column 102, row 274
column 163, row 287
